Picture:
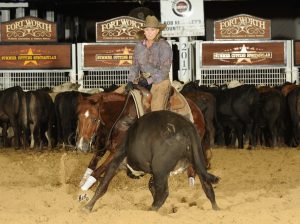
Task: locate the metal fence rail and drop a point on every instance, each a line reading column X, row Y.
column 257, row 76
column 33, row 80
column 97, row 79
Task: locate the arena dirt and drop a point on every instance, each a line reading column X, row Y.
column 258, row 186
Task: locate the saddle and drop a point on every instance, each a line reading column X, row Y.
column 176, row 102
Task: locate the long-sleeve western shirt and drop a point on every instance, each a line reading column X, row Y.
column 156, row 61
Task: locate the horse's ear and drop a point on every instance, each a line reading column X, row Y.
column 96, row 98
column 100, row 99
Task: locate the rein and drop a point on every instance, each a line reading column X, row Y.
column 114, row 124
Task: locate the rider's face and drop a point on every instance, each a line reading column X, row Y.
column 151, row 33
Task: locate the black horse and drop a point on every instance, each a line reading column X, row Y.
column 155, row 144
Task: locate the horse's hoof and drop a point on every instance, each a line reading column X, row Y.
column 215, row 207
column 153, row 208
column 87, row 208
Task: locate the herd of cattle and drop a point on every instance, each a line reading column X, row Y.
column 268, row 116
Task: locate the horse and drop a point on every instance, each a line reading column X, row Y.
column 108, row 116
column 155, row 144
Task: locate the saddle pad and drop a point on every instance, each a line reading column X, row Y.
column 136, row 95
column 179, row 104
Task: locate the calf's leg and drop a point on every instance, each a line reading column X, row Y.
column 161, row 191
column 209, row 192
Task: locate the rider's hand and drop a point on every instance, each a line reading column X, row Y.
column 143, row 82
column 129, row 86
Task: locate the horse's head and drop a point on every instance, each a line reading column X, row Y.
column 89, row 120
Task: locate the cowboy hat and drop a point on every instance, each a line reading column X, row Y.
column 152, row 22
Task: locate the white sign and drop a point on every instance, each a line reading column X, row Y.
column 183, row 18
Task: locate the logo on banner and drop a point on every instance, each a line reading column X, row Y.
column 242, row 26
column 121, row 57
column 181, row 7
column 28, row 29
column 243, row 55
column 120, row 28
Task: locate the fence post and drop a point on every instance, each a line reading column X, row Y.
column 73, row 72
column 184, row 73
column 80, row 72
column 198, row 59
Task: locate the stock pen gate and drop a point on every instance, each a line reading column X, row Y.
column 30, row 56
column 253, row 62
column 243, row 51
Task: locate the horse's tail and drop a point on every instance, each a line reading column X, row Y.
column 199, row 160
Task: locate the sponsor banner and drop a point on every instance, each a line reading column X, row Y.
column 242, row 26
column 297, row 53
column 107, row 56
column 28, row 29
column 118, row 29
column 243, row 53
column 36, row 56
column 183, row 18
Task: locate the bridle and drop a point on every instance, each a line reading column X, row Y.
column 101, row 122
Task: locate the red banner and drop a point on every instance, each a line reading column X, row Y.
column 110, row 55
column 248, row 53
column 36, row 56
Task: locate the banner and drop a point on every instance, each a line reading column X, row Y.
column 244, row 53
column 118, row 29
column 107, row 55
column 28, row 29
column 242, row 27
column 36, row 56
column 297, row 53
column 183, row 18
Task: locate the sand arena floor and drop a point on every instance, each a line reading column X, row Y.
column 260, row 187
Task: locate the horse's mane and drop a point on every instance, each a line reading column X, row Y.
column 99, row 98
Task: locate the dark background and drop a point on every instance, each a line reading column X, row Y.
column 80, row 16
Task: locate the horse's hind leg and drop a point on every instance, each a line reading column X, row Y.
column 160, row 191
column 110, row 173
column 210, row 194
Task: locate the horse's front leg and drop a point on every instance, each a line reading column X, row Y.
column 95, row 174
column 91, row 167
column 114, row 163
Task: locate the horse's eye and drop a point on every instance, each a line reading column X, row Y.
column 94, row 120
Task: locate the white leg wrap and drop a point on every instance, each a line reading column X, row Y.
column 191, row 181
column 89, row 182
column 86, row 175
